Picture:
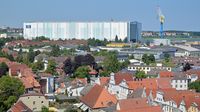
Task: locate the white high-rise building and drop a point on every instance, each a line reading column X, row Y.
column 78, row 30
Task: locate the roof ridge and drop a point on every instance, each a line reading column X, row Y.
column 100, row 94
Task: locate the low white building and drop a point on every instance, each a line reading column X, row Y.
column 179, row 82
column 147, row 68
column 164, row 42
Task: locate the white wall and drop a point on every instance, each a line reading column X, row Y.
column 179, row 84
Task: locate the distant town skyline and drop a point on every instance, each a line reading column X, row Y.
column 180, row 15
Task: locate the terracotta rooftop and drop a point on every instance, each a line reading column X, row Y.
column 145, row 109
column 104, row 81
column 122, row 76
column 132, row 103
column 192, row 71
column 19, row 107
column 98, row 97
column 166, row 74
column 187, row 96
column 150, row 83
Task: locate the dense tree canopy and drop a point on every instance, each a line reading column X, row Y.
column 39, row 65
column 10, row 90
column 82, row 72
column 97, row 42
column 140, row 74
column 148, row 59
column 6, row 55
column 166, row 57
column 51, row 67
column 84, row 47
column 111, row 63
column 131, row 57
column 124, row 64
column 55, row 51
column 195, row 85
column 68, row 66
column 186, row 67
column 3, row 68
column 79, row 60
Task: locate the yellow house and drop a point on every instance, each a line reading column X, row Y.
column 120, row 45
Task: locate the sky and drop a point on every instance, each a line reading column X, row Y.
column 180, row 14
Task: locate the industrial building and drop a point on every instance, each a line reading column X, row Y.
column 84, row 30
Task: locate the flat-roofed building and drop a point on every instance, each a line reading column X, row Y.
column 83, row 30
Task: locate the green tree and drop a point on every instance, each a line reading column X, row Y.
column 186, row 67
column 166, row 57
column 125, row 64
column 26, row 59
column 125, row 40
column 10, row 90
column 140, row 74
column 31, row 55
column 148, row 59
column 19, row 58
column 39, row 65
column 104, row 73
column 82, row 72
column 116, row 39
column 84, row 47
column 44, row 109
column 51, row 67
column 145, row 59
column 55, row 51
column 131, row 57
column 195, row 85
column 152, row 58
column 111, row 64
column 3, row 68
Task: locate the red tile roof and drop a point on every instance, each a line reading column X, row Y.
column 128, row 104
column 192, row 71
column 122, row 76
column 150, row 83
column 166, row 74
column 27, row 76
column 104, row 80
column 145, row 109
column 98, row 97
column 19, row 107
column 137, row 105
column 187, row 96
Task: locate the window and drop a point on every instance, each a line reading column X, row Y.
column 42, row 102
column 28, row 26
column 180, row 86
column 180, row 81
column 175, row 86
column 33, row 102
